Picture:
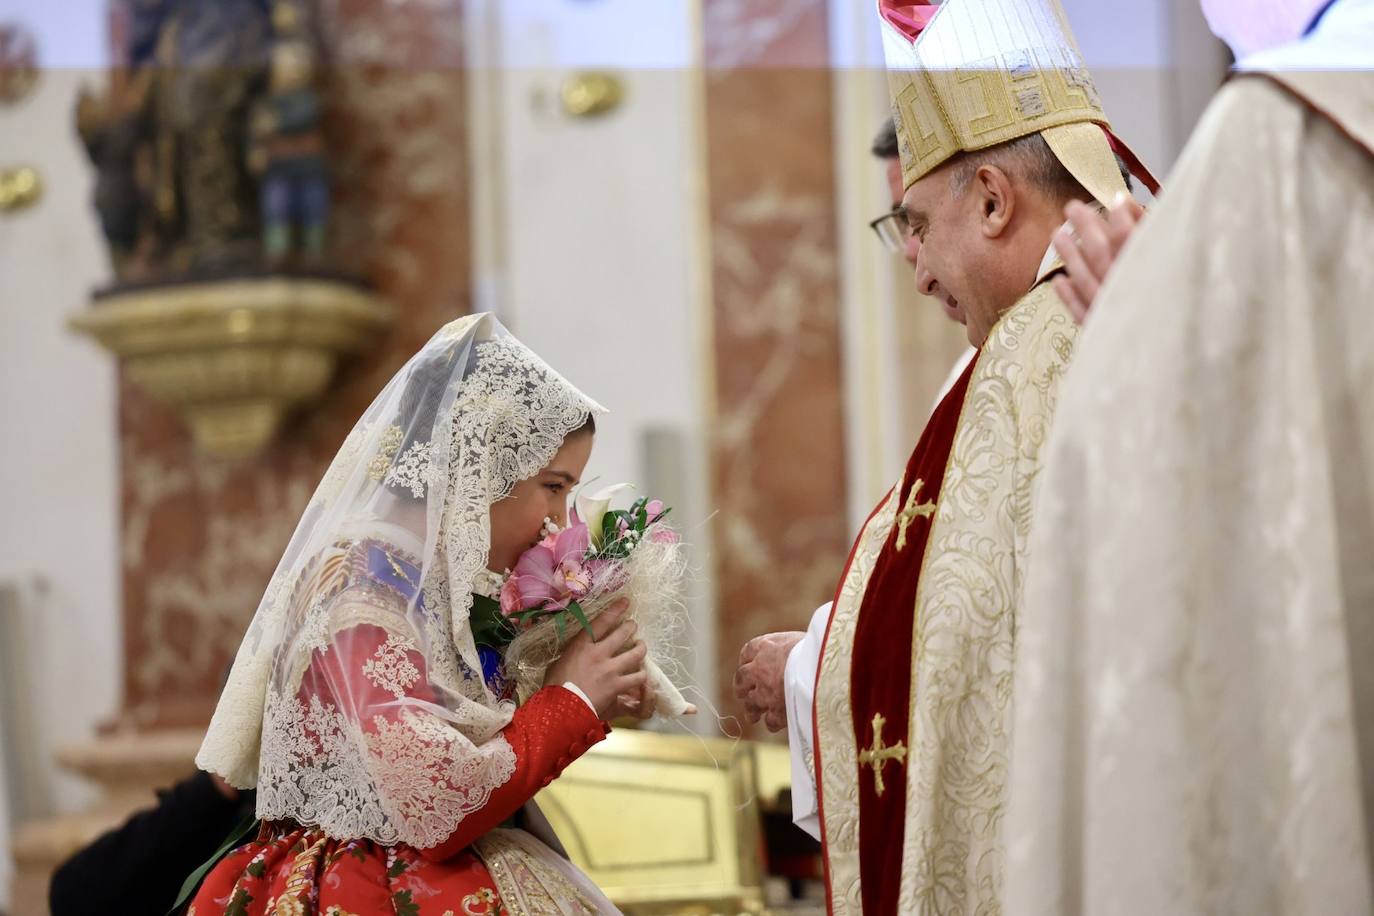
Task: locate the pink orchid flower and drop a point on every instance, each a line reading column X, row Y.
column 550, row 575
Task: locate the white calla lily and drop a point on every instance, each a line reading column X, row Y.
column 592, row 508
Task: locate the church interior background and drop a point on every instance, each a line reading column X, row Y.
column 668, row 199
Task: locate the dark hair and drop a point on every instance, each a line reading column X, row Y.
column 885, row 143
column 1031, row 159
column 425, row 386
column 1125, row 171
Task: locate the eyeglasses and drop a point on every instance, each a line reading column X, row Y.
column 892, row 229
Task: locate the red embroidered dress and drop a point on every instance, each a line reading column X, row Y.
column 292, row 869
column 377, row 728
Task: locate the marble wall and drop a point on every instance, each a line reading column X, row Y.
column 200, row 539
column 778, row 459
column 58, row 473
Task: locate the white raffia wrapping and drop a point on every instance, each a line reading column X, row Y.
column 652, row 580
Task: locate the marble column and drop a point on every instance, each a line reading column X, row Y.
column 778, row 464
column 201, row 538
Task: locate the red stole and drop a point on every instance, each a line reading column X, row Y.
column 881, row 663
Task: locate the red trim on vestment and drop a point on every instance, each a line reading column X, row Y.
column 884, row 646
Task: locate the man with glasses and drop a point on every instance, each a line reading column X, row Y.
column 762, row 691
column 892, row 228
column 908, row 717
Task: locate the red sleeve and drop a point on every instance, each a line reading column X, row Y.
column 550, row 731
column 547, row 733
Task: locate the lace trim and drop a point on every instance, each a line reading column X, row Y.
column 508, row 422
column 414, row 470
column 412, row 772
column 390, row 668
column 488, row 584
column 411, row 778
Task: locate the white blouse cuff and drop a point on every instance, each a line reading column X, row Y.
column 569, row 685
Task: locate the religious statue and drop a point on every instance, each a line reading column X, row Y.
column 113, row 129
column 287, row 147
column 207, row 146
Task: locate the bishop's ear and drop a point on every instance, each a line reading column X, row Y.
column 995, row 198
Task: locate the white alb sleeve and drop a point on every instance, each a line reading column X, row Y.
column 799, row 686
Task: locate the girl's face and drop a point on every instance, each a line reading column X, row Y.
column 517, row 522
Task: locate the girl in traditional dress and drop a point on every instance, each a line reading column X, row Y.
column 368, row 703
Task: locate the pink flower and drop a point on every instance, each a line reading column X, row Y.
column 550, row 575
column 662, row 534
column 510, row 597
column 654, row 509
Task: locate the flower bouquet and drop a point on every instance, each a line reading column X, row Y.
column 576, row 573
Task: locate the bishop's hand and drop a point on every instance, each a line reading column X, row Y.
column 759, row 679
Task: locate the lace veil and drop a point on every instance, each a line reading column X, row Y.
column 357, row 700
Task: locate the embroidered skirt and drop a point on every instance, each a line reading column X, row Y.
column 295, row 871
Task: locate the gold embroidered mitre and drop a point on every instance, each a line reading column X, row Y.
column 969, row 74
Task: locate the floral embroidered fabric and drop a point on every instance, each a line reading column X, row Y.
column 357, row 703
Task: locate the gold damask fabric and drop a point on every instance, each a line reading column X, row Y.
column 836, row 745
column 965, row 626
column 1194, row 686
column 966, row 611
column 984, row 72
column 536, row 881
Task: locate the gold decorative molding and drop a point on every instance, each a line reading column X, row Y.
column 20, row 188
column 664, row 823
column 234, row 357
column 586, row 95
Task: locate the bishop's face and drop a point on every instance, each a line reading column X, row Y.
column 911, row 251
column 951, row 253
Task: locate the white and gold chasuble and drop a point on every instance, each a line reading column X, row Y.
column 954, row 773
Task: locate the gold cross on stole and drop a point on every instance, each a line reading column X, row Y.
column 911, row 511
column 877, row 756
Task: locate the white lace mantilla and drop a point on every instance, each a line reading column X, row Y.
column 405, row 780
column 394, row 737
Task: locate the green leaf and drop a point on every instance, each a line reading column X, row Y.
column 241, row 832
column 405, row 906
column 576, row 610
column 489, row 626
column 397, row 868
column 558, row 622
column 531, row 616
column 610, row 527
column 256, row 869
column 238, row 904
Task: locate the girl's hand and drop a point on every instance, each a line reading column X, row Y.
column 606, row 664
column 641, row 704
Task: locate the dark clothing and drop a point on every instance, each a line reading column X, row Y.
column 139, row 868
